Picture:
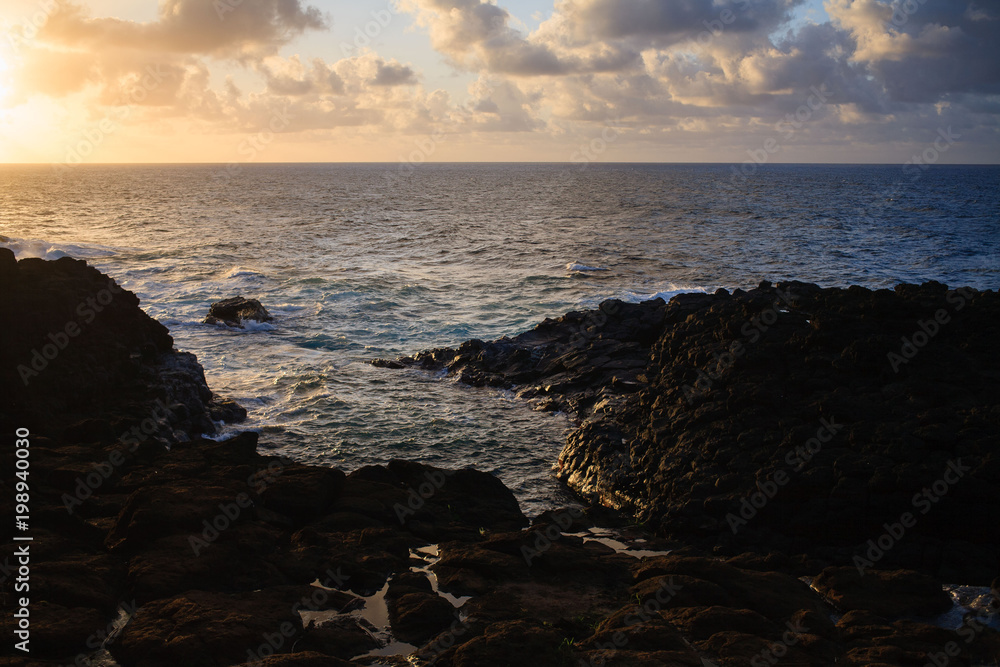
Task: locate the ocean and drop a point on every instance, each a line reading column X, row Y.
column 358, row 261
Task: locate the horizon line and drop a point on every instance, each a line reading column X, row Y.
column 579, row 165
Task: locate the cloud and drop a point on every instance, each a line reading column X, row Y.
column 247, row 28
column 57, row 73
column 110, row 59
column 662, row 22
column 292, row 78
column 475, row 34
column 394, row 74
column 73, row 52
column 923, row 51
column 695, row 73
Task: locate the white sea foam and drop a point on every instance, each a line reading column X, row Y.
column 667, row 294
column 253, row 325
column 221, row 436
column 583, row 268
column 241, row 272
column 286, row 307
column 249, row 326
column 24, row 248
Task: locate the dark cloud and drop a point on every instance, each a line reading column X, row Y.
column 394, row 74
column 226, row 27
column 670, row 20
column 940, row 49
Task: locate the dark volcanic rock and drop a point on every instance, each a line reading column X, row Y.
column 417, row 613
column 304, row 659
column 82, row 347
column 343, row 636
column 237, row 310
column 8, row 267
column 59, row 632
column 301, row 492
column 507, row 643
column 199, row 628
column 215, row 545
column 889, row 594
column 787, row 418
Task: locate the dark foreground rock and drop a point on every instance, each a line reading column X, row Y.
column 79, row 358
column 235, row 312
column 210, row 553
column 852, row 425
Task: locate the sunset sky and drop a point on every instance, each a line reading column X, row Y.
column 514, row 80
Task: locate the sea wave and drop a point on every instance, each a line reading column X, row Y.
column 24, row 248
column 583, row 268
column 667, row 294
column 249, row 326
column 241, row 272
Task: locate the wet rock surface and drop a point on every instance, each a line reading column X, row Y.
column 166, row 548
column 236, row 312
column 890, row 594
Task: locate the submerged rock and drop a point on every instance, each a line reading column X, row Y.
column 235, row 312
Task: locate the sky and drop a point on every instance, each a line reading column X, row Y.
column 730, row 81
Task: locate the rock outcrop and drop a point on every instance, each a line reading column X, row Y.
column 79, row 354
column 790, row 418
column 236, row 312
column 159, row 547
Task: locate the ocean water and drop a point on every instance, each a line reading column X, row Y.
column 366, row 260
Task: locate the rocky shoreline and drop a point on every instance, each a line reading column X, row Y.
column 788, row 418
column 156, row 545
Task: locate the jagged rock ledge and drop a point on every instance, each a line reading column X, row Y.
column 786, row 418
column 210, row 551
